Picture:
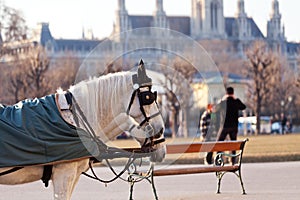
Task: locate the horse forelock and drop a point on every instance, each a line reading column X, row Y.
column 102, row 98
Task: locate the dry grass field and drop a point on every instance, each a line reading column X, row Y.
column 266, row 148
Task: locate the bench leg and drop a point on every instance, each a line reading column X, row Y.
column 131, row 182
column 239, row 175
column 153, row 186
column 219, row 176
column 242, row 184
column 219, row 185
column 131, row 191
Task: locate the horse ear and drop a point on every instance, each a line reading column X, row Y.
column 141, row 69
column 141, row 62
column 143, row 79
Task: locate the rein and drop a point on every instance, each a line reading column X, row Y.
column 107, row 152
column 95, row 177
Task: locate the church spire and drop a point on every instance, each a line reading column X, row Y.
column 160, row 18
column 83, row 33
column 275, row 31
column 241, row 9
column 122, row 22
column 275, row 9
column 274, row 28
column 159, row 6
column 121, row 5
column 243, row 26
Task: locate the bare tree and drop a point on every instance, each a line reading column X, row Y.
column 38, row 64
column 260, row 68
column 14, row 30
column 63, row 72
column 284, row 86
column 224, row 55
column 18, row 84
column 27, row 74
column 12, row 24
column 178, row 79
column 113, row 67
column 297, row 100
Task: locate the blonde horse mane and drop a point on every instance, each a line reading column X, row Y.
column 102, row 98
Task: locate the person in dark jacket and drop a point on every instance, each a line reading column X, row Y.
column 230, row 107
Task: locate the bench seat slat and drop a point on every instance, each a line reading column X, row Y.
column 204, row 147
column 193, row 170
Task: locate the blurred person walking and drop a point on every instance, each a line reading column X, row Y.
column 206, row 129
column 283, row 123
column 231, row 106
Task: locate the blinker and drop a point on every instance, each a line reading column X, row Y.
column 147, row 97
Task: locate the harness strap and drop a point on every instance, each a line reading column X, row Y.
column 47, row 173
column 131, row 102
column 69, row 96
column 10, row 171
column 148, row 118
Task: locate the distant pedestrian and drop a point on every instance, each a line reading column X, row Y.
column 231, row 106
column 283, row 123
column 206, row 130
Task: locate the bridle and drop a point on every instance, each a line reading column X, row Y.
column 146, row 98
column 142, row 89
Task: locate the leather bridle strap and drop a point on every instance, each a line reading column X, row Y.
column 131, row 101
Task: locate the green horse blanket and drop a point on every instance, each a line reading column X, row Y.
column 33, row 132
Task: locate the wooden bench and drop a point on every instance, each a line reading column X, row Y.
column 219, row 166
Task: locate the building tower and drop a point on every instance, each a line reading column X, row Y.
column 160, row 18
column 274, row 28
column 121, row 22
column 207, row 20
column 196, row 19
column 243, row 25
column 275, row 32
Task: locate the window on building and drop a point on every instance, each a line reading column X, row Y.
column 214, row 15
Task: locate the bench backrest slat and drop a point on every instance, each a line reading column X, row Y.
column 204, row 147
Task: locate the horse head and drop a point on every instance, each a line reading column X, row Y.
column 110, row 110
column 144, row 109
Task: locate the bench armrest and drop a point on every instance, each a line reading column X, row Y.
column 219, row 159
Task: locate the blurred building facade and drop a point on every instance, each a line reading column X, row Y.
column 207, row 22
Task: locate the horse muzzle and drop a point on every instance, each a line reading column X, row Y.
column 153, row 145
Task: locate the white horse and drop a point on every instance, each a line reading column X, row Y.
column 112, row 104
